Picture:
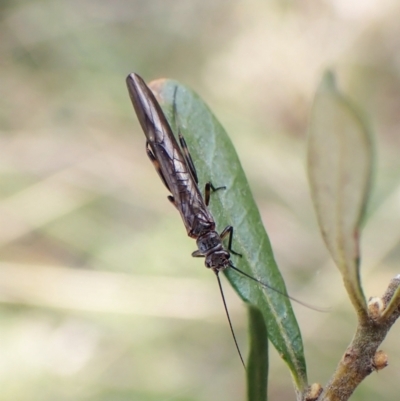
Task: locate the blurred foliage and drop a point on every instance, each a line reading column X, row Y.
column 340, row 164
column 100, row 298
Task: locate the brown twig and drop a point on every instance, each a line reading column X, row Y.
column 362, row 356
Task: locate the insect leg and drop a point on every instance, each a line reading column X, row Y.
column 156, row 164
column 187, row 156
column 172, row 200
column 197, row 254
column 229, row 231
column 207, row 191
column 186, row 153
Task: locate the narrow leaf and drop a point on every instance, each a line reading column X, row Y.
column 339, row 168
column 257, row 365
column 216, row 160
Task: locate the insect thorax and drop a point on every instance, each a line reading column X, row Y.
column 208, row 241
column 210, row 245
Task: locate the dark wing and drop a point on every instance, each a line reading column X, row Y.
column 168, row 158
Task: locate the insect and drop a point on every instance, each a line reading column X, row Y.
column 175, row 167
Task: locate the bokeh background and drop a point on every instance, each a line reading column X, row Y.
column 99, row 297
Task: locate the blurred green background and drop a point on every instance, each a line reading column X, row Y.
column 100, row 298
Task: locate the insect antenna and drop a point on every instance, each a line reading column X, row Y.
column 229, row 319
column 278, row 291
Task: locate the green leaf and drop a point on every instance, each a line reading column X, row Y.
column 257, row 365
column 339, row 168
column 216, row 160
